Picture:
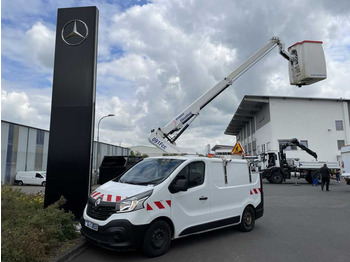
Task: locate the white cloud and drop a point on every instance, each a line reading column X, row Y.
column 28, row 108
column 33, row 48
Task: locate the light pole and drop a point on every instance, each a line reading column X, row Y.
column 98, row 141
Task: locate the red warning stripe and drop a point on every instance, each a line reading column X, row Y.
column 118, row 198
column 95, row 195
column 109, row 198
column 255, row 191
column 159, row 204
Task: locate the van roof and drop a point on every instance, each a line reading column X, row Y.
column 196, row 157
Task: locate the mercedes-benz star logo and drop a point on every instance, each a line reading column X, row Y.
column 74, row 32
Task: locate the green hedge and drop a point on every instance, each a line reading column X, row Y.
column 28, row 231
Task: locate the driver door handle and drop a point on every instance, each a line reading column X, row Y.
column 203, row 198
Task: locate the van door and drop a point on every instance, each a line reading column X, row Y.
column 229, row 192
column 191, row 208
column 28, row 177
column 38, row 179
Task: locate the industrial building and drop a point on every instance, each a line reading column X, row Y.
column 263, row 123
column 25, row 148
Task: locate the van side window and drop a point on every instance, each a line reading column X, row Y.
column 194, row 173
column 38, row 175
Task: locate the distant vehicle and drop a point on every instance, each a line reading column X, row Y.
column 276, row 168
column 345, row 156
column 30, row 178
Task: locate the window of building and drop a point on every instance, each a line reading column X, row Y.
column 291, row 147
column 253, row 126
column 341, row 143
column 263, row 147
column 339, row 125
column 268, row 146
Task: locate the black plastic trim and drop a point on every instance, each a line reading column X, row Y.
column 118, row 234
column 211, row 225
column 259, row 211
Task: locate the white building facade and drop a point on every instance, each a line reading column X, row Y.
column 263, row 123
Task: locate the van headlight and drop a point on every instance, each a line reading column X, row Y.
column 133, row 203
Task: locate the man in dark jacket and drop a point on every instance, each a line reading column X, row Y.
column 325, row 176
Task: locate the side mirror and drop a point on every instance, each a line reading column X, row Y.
column 179, row 185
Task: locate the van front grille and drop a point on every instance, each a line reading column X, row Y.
column 102, row 211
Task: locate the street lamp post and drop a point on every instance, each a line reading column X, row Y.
column 98, row 141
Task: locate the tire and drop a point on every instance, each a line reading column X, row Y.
column 43, row 183
column 157, row 239
column 248, row 220
column 20, row 183
column 308, row 178
column 276, row 178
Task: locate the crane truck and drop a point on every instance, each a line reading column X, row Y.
column 306, row 66
column 276, row 168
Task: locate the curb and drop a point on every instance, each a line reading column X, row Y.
column 72, row 252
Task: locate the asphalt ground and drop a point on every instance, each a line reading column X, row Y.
column 300, row 223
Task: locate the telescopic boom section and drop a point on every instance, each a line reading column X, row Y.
column 165, row 137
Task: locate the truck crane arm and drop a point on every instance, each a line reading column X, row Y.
column 295, row 142
column 165, row 137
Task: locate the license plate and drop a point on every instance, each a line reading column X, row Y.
column 91, row 225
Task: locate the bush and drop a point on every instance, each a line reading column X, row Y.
column 29, row 232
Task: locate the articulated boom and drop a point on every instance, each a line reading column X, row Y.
column 165, row 137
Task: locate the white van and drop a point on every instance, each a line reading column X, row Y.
column 164, row 198
column 30, row 178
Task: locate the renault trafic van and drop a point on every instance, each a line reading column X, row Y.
column 164, row 198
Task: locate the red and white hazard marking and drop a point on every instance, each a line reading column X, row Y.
column 107, row 197
column 255, row 191
column 158, row 205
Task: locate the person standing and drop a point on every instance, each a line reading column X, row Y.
column 325, row 176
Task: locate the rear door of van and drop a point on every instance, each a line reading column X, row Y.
column 229, row 192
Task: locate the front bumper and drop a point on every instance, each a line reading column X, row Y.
column 117, row 235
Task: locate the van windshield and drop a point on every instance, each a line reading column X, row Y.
column 150, row 171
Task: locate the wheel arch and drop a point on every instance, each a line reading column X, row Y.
column 169, row 221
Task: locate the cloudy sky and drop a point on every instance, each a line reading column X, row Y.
column 156, row 57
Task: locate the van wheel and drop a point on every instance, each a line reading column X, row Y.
column 157, row 239
column 20, row 183
column 43, row 183
column 248, row 220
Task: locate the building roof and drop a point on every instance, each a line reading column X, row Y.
column 223, row 147
column 250, row 105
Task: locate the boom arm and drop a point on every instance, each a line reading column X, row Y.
column 295, row 142
column 164, row 138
